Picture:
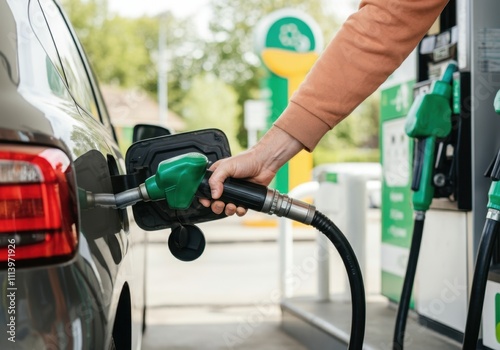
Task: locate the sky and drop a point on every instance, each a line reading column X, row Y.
column 200, row 11
column 198, row 8
column 135, row 8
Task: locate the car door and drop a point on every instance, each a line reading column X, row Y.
column 116, row 245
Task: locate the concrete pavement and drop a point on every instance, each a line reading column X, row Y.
column 229, row 297
column 224, row 300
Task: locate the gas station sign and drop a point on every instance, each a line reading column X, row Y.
column 289, row 42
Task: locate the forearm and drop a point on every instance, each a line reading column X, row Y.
column 368, row 48
column 276, row 148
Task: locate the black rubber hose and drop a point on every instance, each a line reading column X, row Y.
column 476, row 300
column 411, row 268
column 328, row 228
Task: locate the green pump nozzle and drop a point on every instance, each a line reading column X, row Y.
column 429, row 118
column 177, row 179
column 494, row 172
column 430, row 114
column 180, row 179
column 496, row 103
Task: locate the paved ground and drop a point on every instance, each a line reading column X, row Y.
column 227, row 298
column 223, row 300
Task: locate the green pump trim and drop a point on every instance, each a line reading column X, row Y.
column 494, row 195
column 177, row 179
column 496, row 103
column 422, row 198
column 430, row 114
column 429, row 118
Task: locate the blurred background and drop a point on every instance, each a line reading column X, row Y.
column 200, row 55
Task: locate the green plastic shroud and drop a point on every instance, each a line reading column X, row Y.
column 496, row 103
column 177, row 179
column 494, row 193
column 429, row 118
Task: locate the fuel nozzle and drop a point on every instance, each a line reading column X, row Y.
column 260, row 198
column 181, row 178
column 429, row 118
column 494, row 169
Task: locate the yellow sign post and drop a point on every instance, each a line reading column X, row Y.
column 289, row 42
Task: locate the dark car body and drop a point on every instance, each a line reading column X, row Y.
column 88, row 288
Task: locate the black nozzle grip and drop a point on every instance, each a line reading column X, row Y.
column 242, row 193
column 418, row 163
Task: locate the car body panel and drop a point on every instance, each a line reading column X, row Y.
column 70, row 305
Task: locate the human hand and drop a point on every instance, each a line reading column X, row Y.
column 259, row 164
column 246, row 165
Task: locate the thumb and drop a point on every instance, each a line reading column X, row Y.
column 216, row 181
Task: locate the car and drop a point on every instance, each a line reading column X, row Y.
column 72, row 276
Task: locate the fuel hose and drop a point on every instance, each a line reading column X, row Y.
column 411, row 268
column 260, row 198
column 489, row 235
column 490, row 232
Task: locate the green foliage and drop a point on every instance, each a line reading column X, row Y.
column 211, row 103
column 123, row 51
column 209, row 77
column 359, row 130
column 231, row 55
column 322, row 155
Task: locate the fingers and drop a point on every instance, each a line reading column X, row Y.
column 218, row 207
column 216, row 181
column 205, row 202
column 229, row 209
column 232, row 209
column 241, row 211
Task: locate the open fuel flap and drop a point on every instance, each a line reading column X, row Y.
column 142, row 161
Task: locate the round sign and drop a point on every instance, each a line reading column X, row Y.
column 290, row 30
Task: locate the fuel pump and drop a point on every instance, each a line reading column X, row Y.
column 180, row 179
column 489, row 236
column 428, row 120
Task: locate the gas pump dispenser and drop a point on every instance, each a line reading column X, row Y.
column 485, row 282
column 468, row 33
column 428, row 121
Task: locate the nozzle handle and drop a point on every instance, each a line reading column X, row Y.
column 424, row 167
column 242, row 193
column 496, row 102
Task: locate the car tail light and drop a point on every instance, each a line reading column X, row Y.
column 38, row 207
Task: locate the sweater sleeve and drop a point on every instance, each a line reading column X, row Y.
column 370, row 45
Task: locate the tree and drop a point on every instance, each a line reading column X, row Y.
column 126, row 54
column 356, row 138
column 230, row 54
column 123, row 51
column 211, row 103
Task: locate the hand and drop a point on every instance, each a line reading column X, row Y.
column 259, row 164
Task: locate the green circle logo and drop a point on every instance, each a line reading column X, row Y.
column 290, row 30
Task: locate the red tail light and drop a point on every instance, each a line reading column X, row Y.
column 37, row 204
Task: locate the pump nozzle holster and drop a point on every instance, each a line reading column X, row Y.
column 429, row 118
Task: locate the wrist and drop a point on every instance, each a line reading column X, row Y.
column 276, row 148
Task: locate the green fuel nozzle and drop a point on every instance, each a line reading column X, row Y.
column 177, row 179
column 494, row 169
column 429, row 118
column 180, row 179
column 496, row 103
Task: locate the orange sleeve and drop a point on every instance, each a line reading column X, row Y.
column 370, row 45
